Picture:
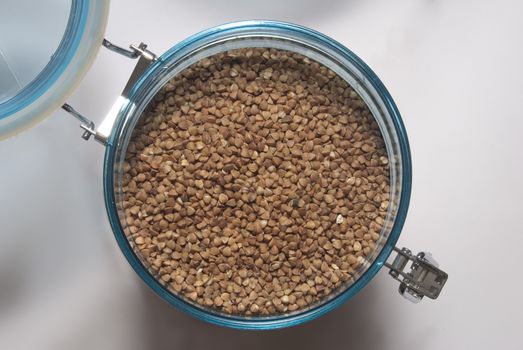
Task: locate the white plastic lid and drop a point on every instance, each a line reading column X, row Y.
column 46, row 47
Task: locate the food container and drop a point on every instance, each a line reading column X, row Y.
column 418, row 275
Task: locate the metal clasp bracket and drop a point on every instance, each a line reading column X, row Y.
column 85, row 123
column 145, row 58
column 423, row 279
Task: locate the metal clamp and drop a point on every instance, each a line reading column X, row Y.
column 423, row 279
column 86, row 124
column 145, row 58
column 122, row 51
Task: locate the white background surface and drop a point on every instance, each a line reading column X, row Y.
column 454, row 70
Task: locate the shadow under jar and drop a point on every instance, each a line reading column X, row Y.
column 128, row 144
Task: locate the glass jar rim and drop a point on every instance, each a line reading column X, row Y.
column 66, row 68
column 277, row 30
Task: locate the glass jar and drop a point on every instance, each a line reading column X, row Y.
column 420, row 278
column 266, row 34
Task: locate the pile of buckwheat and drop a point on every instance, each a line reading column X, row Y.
column 255, row 183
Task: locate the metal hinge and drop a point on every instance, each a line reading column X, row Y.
column 85, row 123
column 145, row 58
column 423, row 279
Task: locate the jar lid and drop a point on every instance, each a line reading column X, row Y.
column 50, row 46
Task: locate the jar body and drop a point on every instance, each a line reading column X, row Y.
column 265, row 34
